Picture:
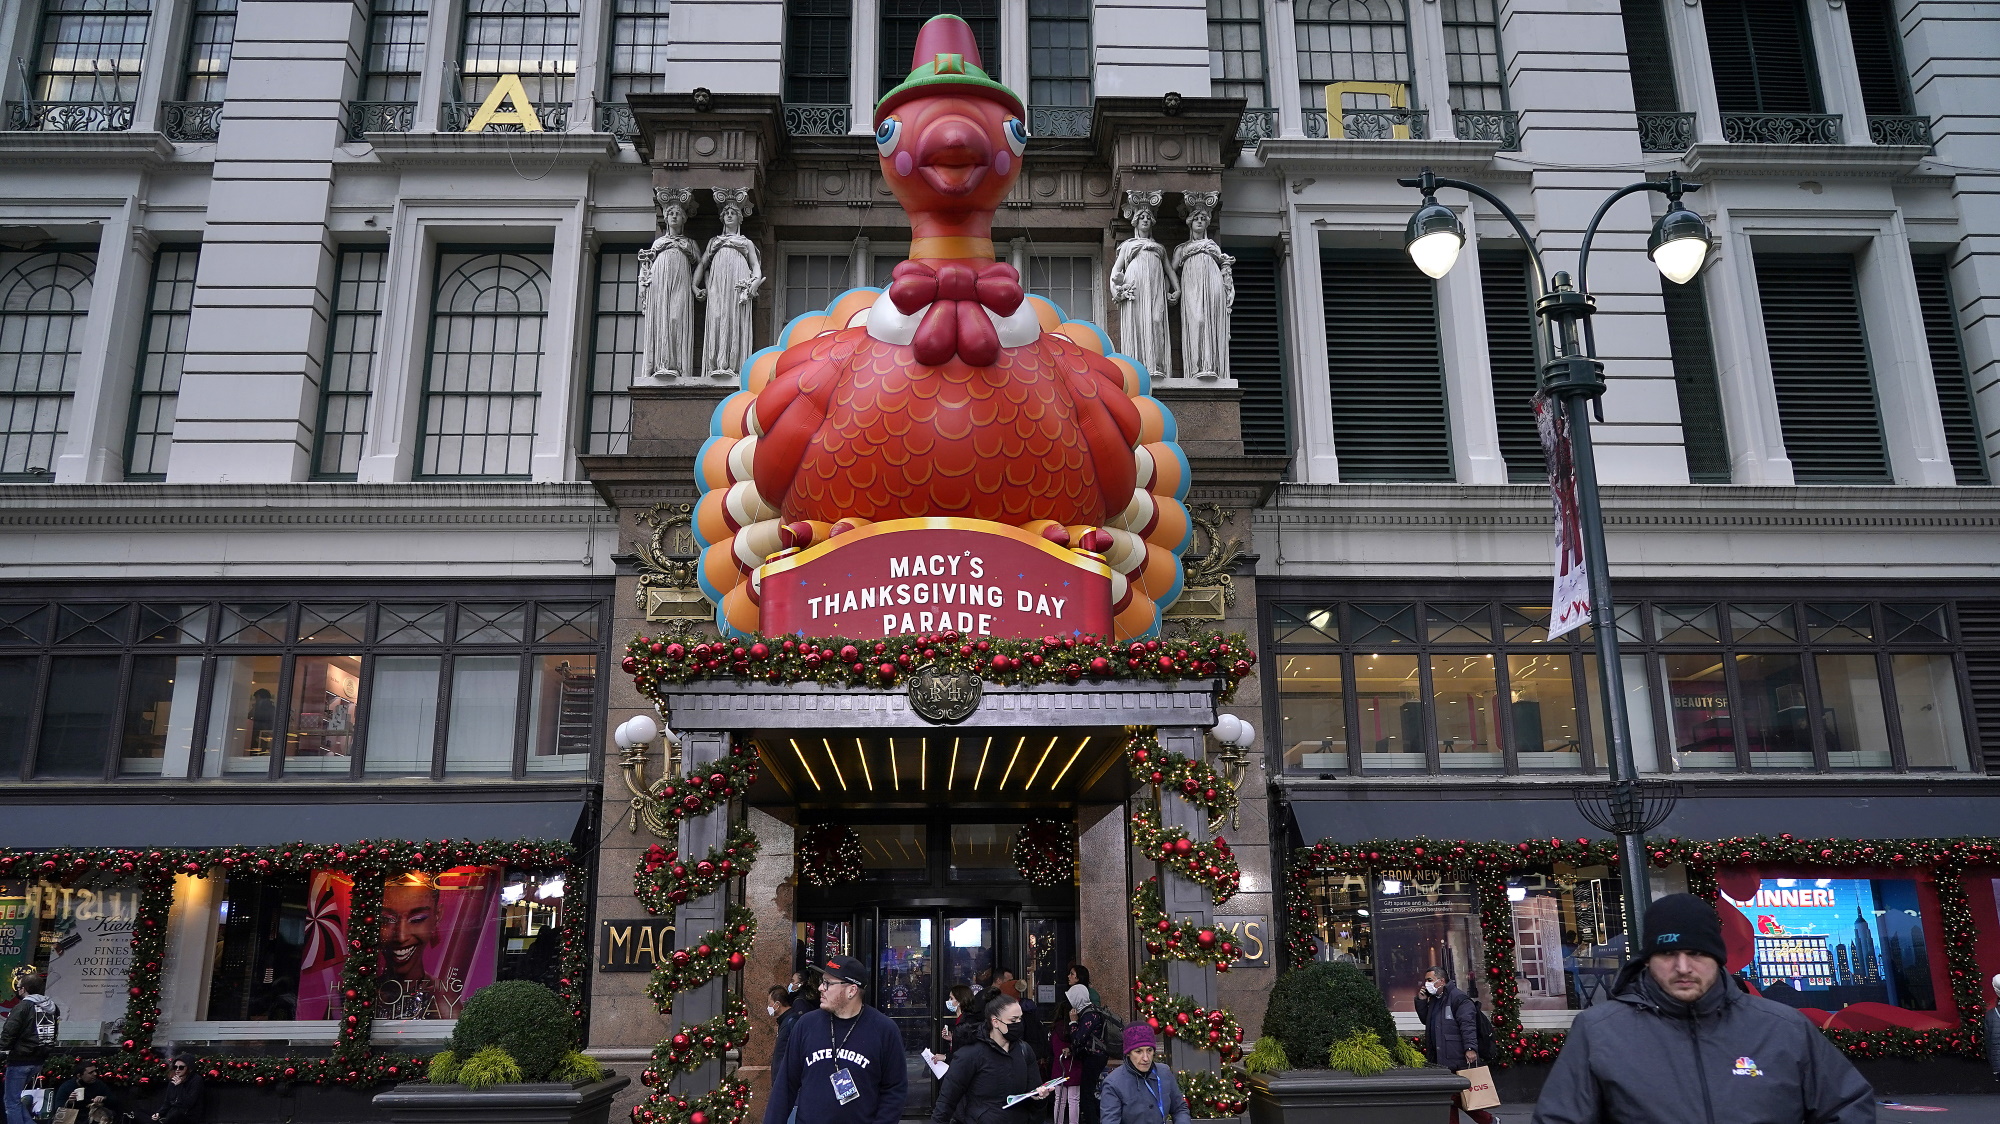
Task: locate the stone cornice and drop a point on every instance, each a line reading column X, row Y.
column 1526, row 506
column 699, row 706
column 492, row 149
column 437, row 505
column 1376, row 157
column 123, row 149
column 1793, row 160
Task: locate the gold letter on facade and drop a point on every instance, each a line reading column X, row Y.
column 507, row 90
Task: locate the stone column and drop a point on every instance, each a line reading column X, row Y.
column 1184, row 899
column 699, row 750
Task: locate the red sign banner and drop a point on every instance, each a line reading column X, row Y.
column 936, row 575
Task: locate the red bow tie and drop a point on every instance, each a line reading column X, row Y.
column 958, row 296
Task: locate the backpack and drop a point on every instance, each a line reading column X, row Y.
column 47, row 1022
column 1110, row 1040
column 1485, row 1034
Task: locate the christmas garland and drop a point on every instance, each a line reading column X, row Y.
column 1177, row 1016
column 830, row 854
column 1178, row 940
column 842, row 662
column 1487, row 864
column 662, row 881
column 718, row 783
column 692, row 1047
column 355, row 1062
column 714, row 952
column 1045, row 852
column 1193, row 781
column 1212, row 863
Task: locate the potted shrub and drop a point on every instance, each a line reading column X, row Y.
column 513, row 1057
column 1330, row 1052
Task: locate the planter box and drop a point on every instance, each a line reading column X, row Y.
column 1332, row 1096
column 416, row 1102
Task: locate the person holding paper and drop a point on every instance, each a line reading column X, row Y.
column 996, row 1078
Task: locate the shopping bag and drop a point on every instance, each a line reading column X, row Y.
column 67, row 1116
column 1482, row 1094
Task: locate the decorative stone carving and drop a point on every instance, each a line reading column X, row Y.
column 1207, row 290
column 666, row 293
column 1144, row 286
column 728, row 278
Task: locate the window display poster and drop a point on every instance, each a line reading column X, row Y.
column 1853, row 948
column 325, row 952
column 1420, row 923
column 86, row 942
column 17, row 936
column 439, row 942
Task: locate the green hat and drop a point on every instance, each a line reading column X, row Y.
column 947, row 55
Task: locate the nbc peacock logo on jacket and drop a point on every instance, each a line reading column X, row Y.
column 1747, row 1067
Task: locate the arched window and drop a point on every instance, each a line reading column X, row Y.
column 536, row 39
column 44, row 298
column 483, row 380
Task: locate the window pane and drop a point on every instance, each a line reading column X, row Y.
column 638, row 47
column 567, row 623
column 984, row 852
column 535, row 40
column 44, row 299
column 23, row 624
column 173, row 624
column 1686, row 624
column 17, row 706
column 1698, row 717
column 616, row 347
column 76, row 726
column 1383, row 624
column 402, row 715
column 349, row 378
column 491, row 623
column 412, row 624
column 242, row 715
column 1638, row 708
column 1069, row 280
column 1467, row 712
column 531, row 924
column 1458, row 624
column 254, row 624
column 1927, row 700
column 1851, row 714
column 1392, row 714
column 483, row 379
column 1341, row 916
column 396, row 32
column 80, row 933
column 1569, row 936
column 1843, row 623
column 157, row 386
column 333, row 624
column 1305, row 624
column 485, row 695
column 1762, row 624
column 1312, row 712
column 1421, row 923
column 1529, row 623
column 1922, row 624
column 562, row 713
column 897, row 852
column 159, row 716
column 259, row 950
column 326, row 692
column 1546, row 732
column 812, row 281
column 1774, row 711
column 90, row 624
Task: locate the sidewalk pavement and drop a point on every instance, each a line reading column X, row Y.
column 1888, row 1110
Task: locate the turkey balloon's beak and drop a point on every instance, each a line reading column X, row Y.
column 954, row 155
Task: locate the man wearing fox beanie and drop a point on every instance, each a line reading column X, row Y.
column 1683, row 1042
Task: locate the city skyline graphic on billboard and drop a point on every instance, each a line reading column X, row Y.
column 1827, row 943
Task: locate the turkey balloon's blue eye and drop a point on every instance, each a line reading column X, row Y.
column 886, row 134
column 1017, row 135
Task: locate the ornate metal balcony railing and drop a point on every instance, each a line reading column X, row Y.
column 380, row 117
column 1257, row 124
column 1900, row 130
column 70, row 116
column 1500, row 125
column 1665, row 132
column 806, row 119
column 454, row 116
column 1371, row 124
column 1781, row 128
column 616, row 118
column 1059, row 120
column 191, row 120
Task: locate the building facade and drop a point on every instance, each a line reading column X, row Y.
column 335, row 484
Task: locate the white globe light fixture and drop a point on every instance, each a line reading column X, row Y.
column 642, row 729
column 619, row 735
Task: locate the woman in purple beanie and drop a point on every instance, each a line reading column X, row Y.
column 1140, row 1092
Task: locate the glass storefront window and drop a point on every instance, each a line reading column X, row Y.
column 1569, row 936
column 242, row 715
column 326, row 695
column 1852, row 719
column 159, row 716
column 485, row 694
column 1050, row 949
column 402, row 715
column 17, row 711
column 984, row 852
column 1828, row 943
column 1542, row 706
column 1698, row 714
column 1392, row 712
column 1312, row 711
column 80, row 934
column 531, row 921
column 894, row 852
column 1638, row 710
column 1927, row 704
column 1464, row 694
column 260, row 945
column 1419, row 922
column 1342, row 911
column 77, row 722
column 1773, row 711
column 562, row 713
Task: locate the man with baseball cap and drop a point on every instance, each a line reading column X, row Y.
column 1682, row 1042
column 842, row 1064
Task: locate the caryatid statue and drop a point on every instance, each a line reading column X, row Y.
column 1144, row 286
column 728, row 277
column 1207, row 290
column 666, row 292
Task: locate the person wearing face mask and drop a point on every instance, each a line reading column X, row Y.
column 1451, row 1029
column 803, row 996
column 997, row 1065
column 777, row 1003
column 963, row 1008
column 1682, row 1042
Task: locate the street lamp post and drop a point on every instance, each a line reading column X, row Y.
column 1566, row 354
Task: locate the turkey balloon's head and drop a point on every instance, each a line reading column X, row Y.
column 950, row 138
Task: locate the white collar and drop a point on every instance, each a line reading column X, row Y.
column 891, row 325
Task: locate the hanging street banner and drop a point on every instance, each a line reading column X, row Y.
column 1570, row 606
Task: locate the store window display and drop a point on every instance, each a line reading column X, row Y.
column 1569, row 936
column 80, row 936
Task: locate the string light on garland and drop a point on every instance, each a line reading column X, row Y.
column 1192, row 780
column 1045, row 852
column 662, row 881
column 839, row 661
column 714, row 952
column 1178, row 940
column 1212, row 863
column 830, row 854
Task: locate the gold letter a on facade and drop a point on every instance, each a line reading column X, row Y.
column 507, row 90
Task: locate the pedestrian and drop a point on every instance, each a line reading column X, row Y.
column 842, row 1063
column 85, row 1090
column 1992, row 1021
column 1033, row 1030
column 805, row 998
column 1140, row 1092
column 182, row 1102
column 27, row 1037
column 1451, row 1029
column 1680, row 1040
column 1086, row 1037
column 778, row 1005
column 964, row 1012
column 1078, row 974
column 1064, row 1063
column 997, row 1065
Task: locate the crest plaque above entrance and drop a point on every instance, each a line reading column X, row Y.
column 942, row 696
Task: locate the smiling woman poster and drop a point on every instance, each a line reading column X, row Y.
column 438, row 942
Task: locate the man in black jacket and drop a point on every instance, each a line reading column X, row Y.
column 844, row 1063
column 1683, row 1043
column 1451, row 1028
column 26, row 1037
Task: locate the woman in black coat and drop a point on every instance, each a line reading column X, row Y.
column 182, row 1102
column 986, row 1071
